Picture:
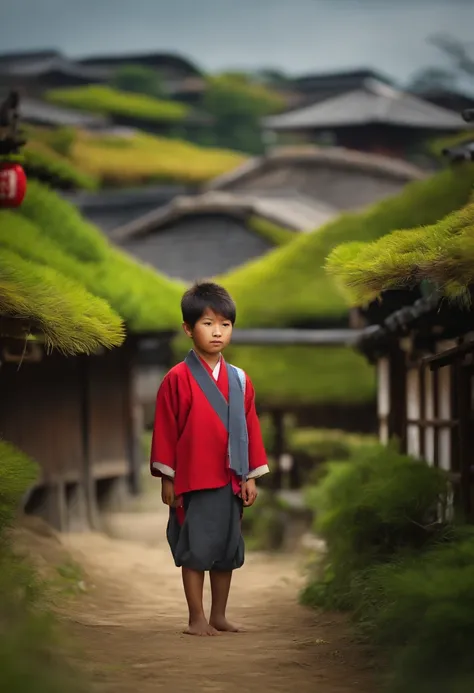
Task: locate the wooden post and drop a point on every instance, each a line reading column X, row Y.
column 279, row 444
column 465, row 436
column 87, row 475
column 134, row 424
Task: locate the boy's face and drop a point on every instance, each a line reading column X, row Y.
column 211, row 334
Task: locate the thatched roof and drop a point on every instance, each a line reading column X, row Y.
column 59, row 271
column 442, row 254
column 289, row 286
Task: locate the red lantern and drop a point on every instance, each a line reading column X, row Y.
column 12, row 184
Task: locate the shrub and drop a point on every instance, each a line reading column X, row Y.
column 17, row 473
column 325, row 444
column 420, row 610
column 368, row 509
column 29, row 643
column 264, row 523
column 138, row 79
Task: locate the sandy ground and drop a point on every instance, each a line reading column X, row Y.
column 128, row 622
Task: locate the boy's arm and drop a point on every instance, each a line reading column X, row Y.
column 258, row 465
column 165, row 433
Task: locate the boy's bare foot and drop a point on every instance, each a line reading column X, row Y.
column 201, row 628
column 222, row 625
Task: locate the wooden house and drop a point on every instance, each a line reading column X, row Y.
column 244, row 214
column 77, row 414
column 317, row 87
column 181, row 78
column 374, row 117
column 114, row 208
column 35, row 72
column 420, row 336
column 327, row 384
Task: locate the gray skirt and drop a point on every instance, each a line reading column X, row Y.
column 209, row 537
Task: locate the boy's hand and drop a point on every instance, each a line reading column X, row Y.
column 167, row 491
column 249, row 492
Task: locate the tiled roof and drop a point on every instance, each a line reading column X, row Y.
column 42, row 113
column 375, row 102
column 293, row 212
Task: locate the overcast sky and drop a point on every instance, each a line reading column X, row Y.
column 295, row 35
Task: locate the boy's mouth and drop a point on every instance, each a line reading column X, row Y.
column 217, row 342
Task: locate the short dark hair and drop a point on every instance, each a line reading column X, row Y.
column 203, row 296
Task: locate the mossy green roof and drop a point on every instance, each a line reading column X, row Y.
column 70, row 318
column 289, row 285
column 43, row 163
column 108, row 101
column 57, row 236
column 300, row 376
column 442, row 254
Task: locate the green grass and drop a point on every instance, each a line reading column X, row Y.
column 289, row 285
column 58, row 237
column 108, row 101
column 31, row 647
column 442, row 254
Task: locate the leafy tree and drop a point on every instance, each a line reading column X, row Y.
column 237, row 105
column 139, row 80
column 461, row 59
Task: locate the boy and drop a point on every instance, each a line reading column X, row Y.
column 208, row 450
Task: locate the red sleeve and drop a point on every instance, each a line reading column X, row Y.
column 165, row 431
column 258, row 465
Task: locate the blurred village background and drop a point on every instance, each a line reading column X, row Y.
column 146, row 170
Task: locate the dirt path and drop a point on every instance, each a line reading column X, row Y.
column 129, row 624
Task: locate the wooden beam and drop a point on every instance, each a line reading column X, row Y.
column 445, row 358
column 296, row 337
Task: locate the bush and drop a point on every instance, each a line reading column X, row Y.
column 264, row 523
column 325, row 445
column 408, row 580
column 368, row 509
column 29, row 644
column 420, row 610
column 17, row 473
column 138, row 79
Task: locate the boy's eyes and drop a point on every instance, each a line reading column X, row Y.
column 224, row 324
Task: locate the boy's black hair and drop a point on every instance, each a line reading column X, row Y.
column 205, row 295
